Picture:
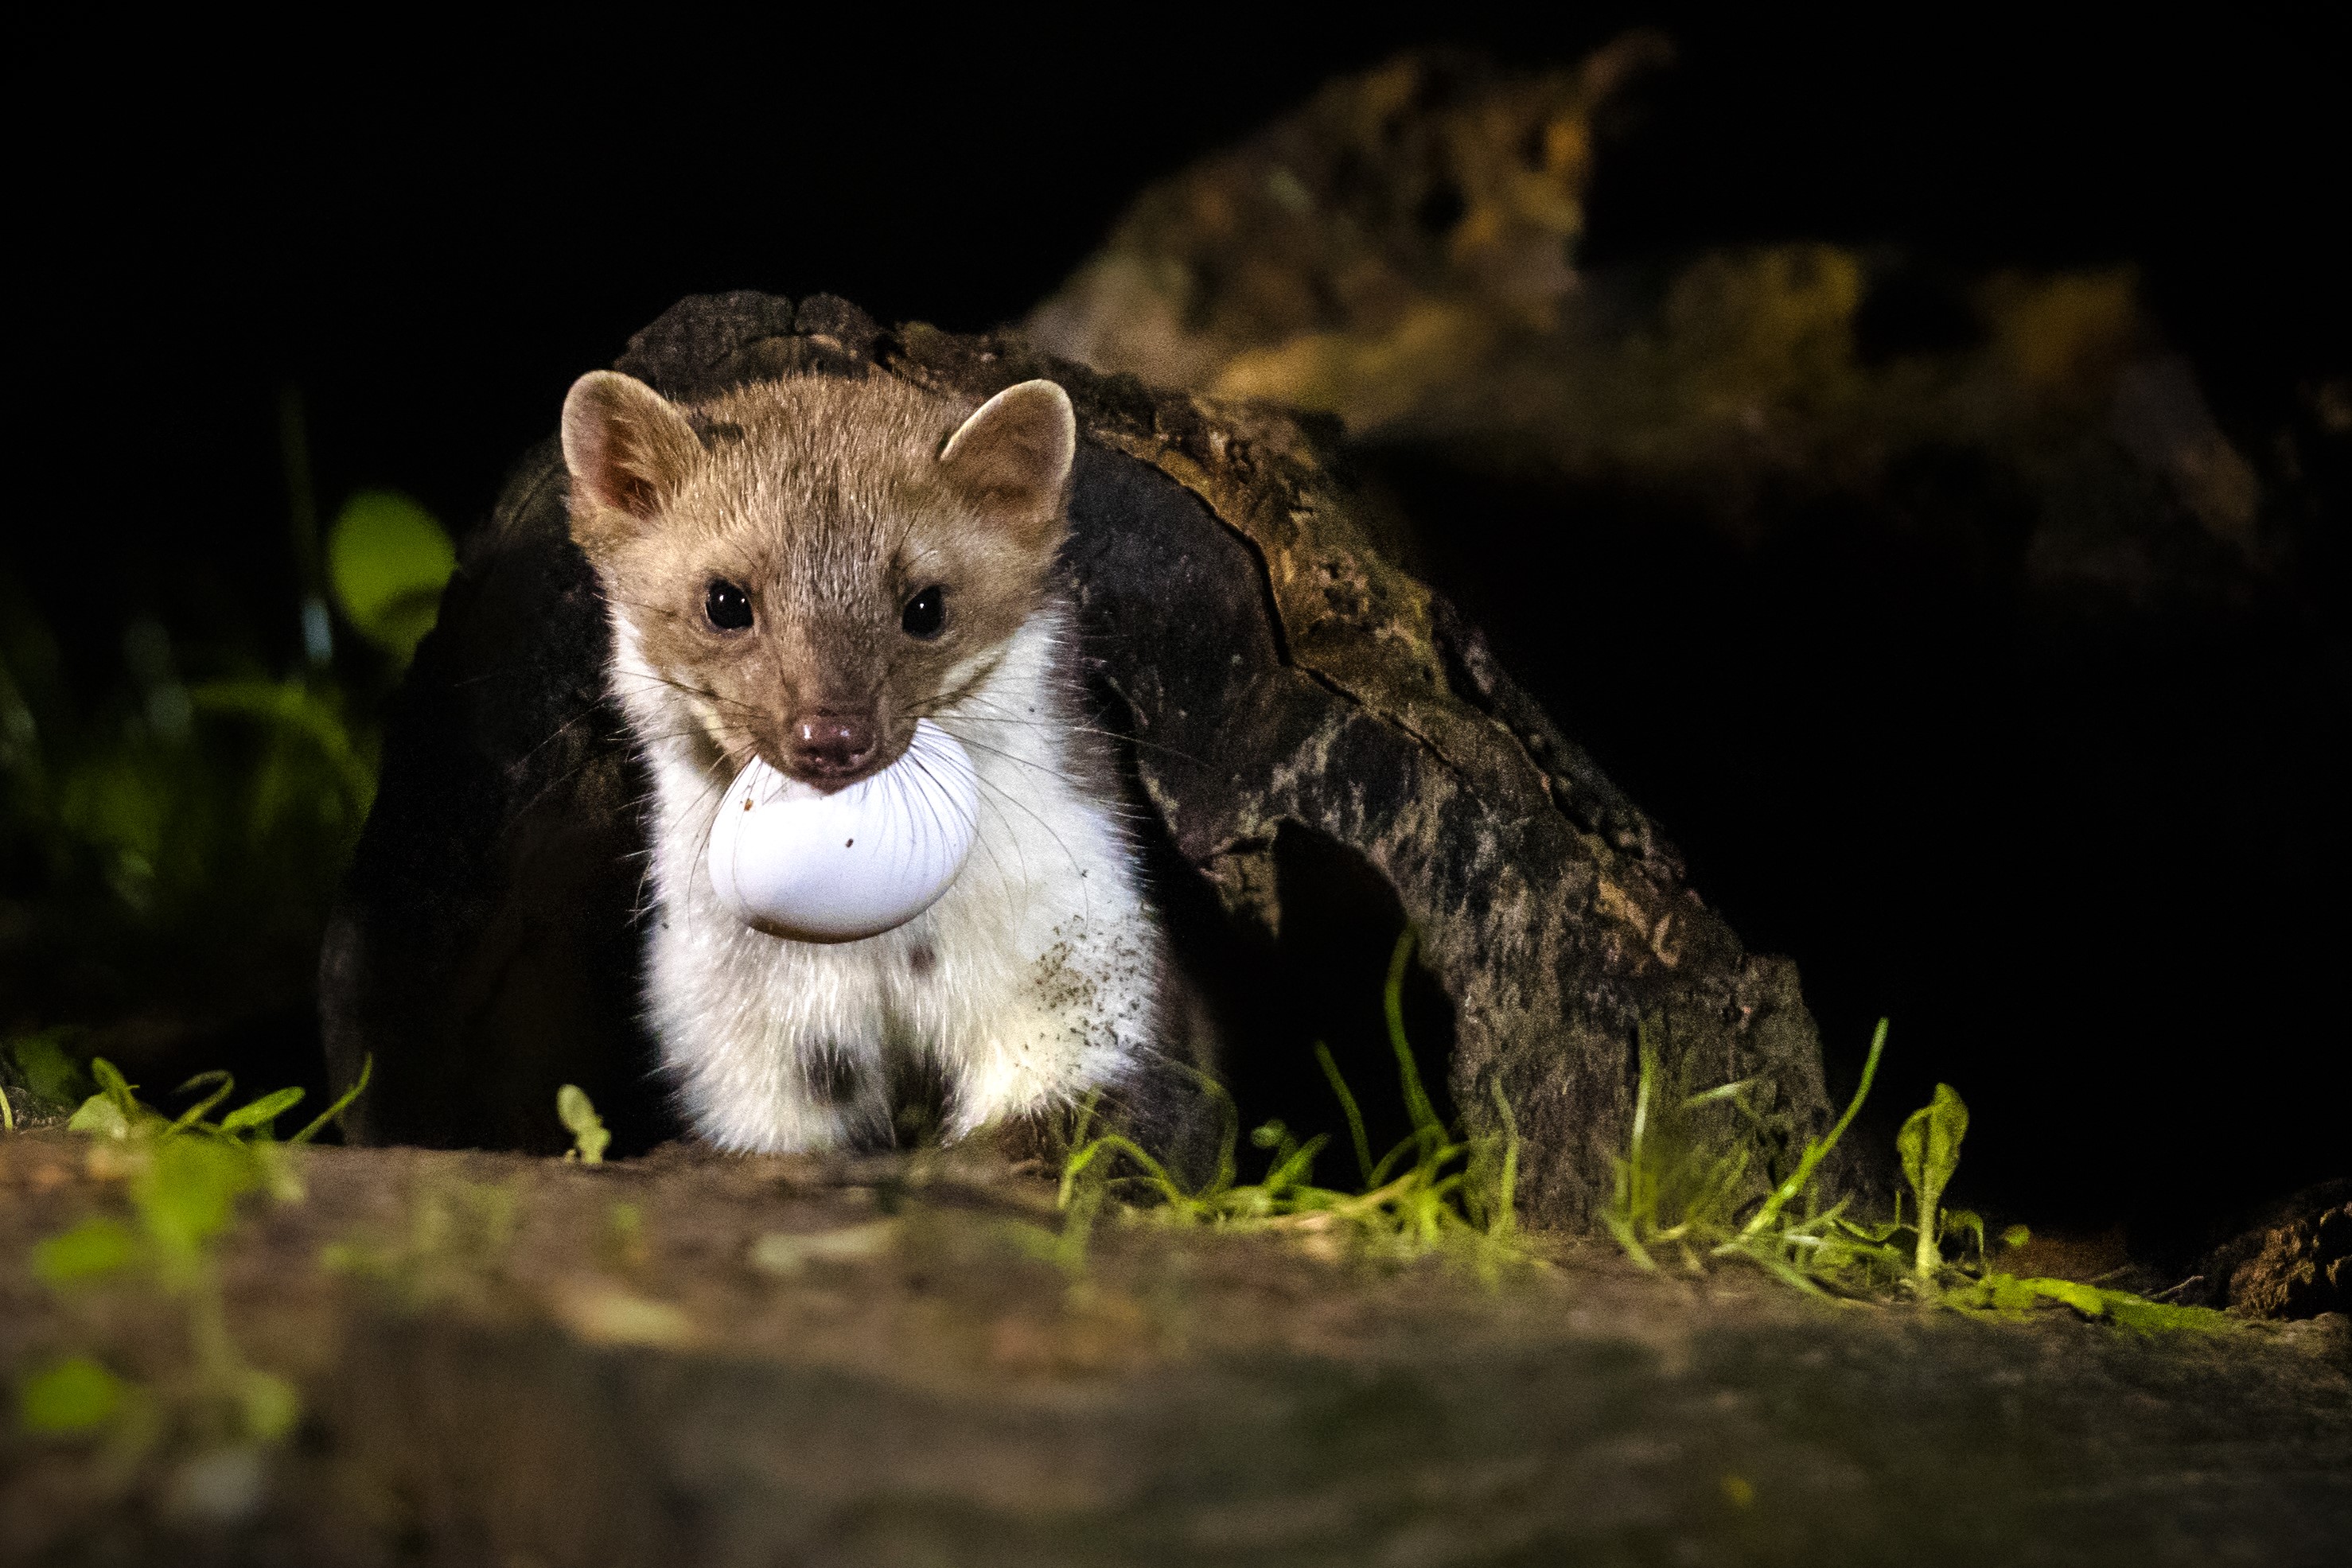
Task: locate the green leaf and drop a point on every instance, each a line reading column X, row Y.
column 1929, row 1147
column 111, row 1084
column 388, row 560
column 189, row 1190
column 2000, row 1292
column 94, row 1247
column 2087, row 1300
column 74, row 1395
column 262, row 1112
column 2016, row 1235
column 269, row 1406
column 1930, row 1142
column 48, row 1072
column 579, row 1115
column 100, row 1117
column 2154, row 1317
column 295, row 712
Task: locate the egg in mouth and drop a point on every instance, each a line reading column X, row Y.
column 796, row 862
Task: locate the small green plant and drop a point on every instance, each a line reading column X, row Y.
column 71, row 1393
column 579, row 1117
column 387, row 561
column 1689, row 1181
column 1929, row 1147
column 40, row 1081
column 185, row 1177
column 1684, row 1183
column 1437, row 1189
column 115, row 1111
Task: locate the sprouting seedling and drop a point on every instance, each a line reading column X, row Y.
column 579, row 1116
column 116, row 1112
column 1929, row 1147
column 187, row 1176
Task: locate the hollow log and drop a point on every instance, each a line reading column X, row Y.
column 1269, row 676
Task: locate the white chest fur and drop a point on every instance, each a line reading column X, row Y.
column 1032, row 981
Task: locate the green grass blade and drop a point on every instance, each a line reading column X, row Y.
column 1347, row 1104
column 262, row 1112
column 1294, row 1170
column 222, row 1085
column 1720, row 1092
column 1505, row 1219
column 343, row 1104
column 1818, row 1150
column 1416, row 1099
column 111, row 1085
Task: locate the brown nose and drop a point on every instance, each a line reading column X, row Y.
column 829, row 745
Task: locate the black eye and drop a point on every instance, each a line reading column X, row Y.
column 926, row 613
column 728, row 607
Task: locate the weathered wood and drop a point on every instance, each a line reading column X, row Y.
column 1271, row 674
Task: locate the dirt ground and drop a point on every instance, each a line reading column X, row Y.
column 690, row 1359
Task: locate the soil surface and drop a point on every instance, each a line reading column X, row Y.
column 504, row 1360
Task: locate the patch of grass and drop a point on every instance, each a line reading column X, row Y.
column 183, row 1175
column 2008, row 1294
column 1685, row 1184
column 1438, row 1189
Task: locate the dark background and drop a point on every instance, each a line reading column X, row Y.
column 430, row 237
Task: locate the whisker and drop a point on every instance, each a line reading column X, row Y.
column 656, row 678
column 1072, row 728
column 1072, row 780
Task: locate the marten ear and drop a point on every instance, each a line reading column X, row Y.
column 1013, row 457
column 628, row 447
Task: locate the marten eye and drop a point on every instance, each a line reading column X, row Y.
column 926, row 613
column 728, row 607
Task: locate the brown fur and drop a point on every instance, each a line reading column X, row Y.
column 831, row 503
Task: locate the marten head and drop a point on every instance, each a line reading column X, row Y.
column 801, row 569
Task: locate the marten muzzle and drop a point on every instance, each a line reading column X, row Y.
column 831, row 748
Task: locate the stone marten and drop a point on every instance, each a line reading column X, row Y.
column 798, row 570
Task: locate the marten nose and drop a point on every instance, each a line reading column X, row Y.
column 827, row 743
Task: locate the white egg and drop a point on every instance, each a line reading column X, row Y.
column 794, row 862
